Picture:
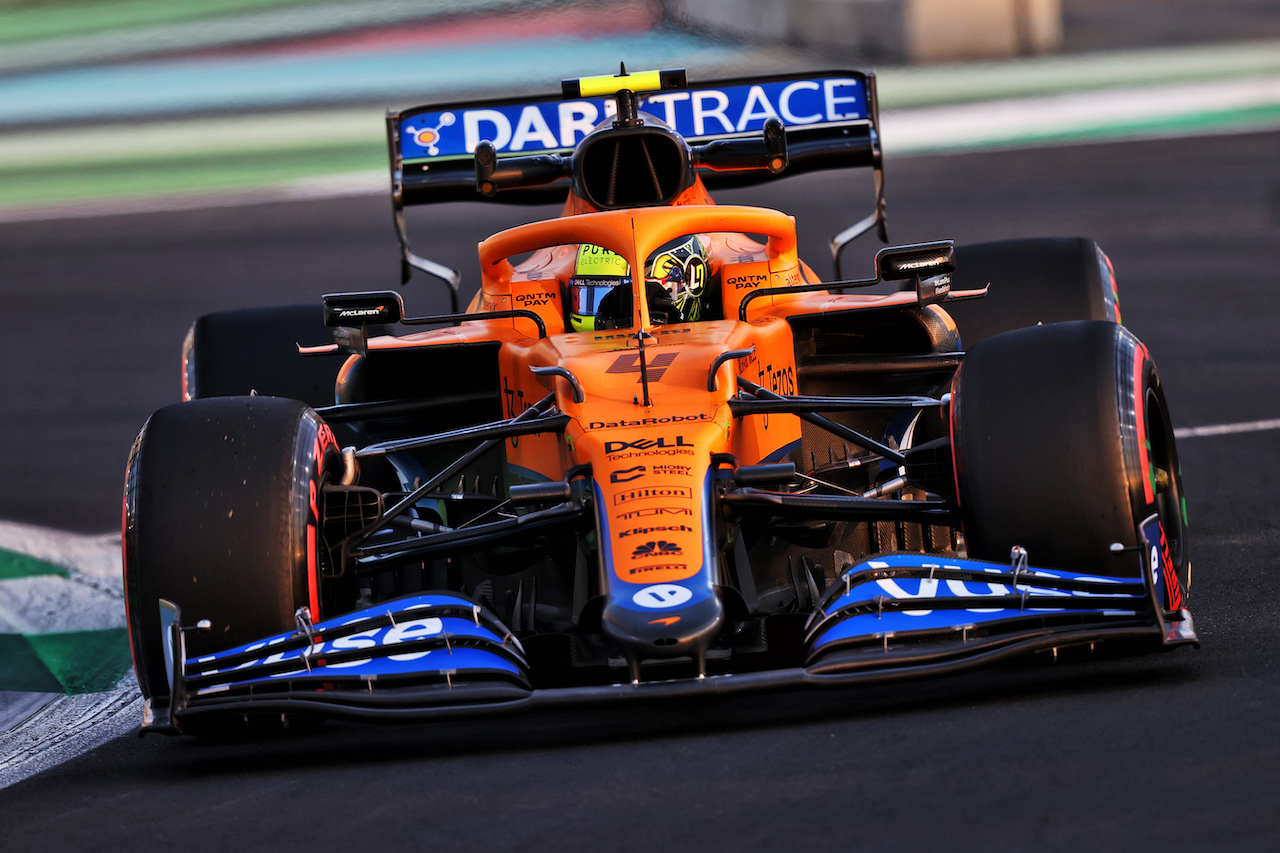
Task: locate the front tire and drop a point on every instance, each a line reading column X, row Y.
column 1062, row 445
column 222, row 517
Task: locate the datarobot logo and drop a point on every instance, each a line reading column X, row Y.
column 667, row 419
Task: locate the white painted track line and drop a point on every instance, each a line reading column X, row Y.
column 1226, row 429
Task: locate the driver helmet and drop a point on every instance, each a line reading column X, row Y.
column 680, row 269
column 596, row 272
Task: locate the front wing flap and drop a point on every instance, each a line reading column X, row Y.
column 902, row 609
column 897, row 616
column 432, row 648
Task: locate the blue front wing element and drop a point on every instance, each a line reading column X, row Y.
column 417, row 640
column 900, row 604
column 440, row 654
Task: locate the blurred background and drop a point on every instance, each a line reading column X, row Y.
column 162, row 159
column 126, row 102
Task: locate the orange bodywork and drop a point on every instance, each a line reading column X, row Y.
column 649, row 463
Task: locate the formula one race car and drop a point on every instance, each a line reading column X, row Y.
column 656, row 455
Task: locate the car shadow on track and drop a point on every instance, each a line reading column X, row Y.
column 339, row 744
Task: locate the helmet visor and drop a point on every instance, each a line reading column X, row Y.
column 585, row 294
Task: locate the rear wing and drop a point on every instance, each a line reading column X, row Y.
column 831, row 120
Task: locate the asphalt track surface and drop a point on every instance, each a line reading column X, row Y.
column 1178, row 749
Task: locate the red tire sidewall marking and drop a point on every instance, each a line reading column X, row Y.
column 1140, row 415
column 324, row 442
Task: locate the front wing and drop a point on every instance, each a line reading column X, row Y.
column 440, row 655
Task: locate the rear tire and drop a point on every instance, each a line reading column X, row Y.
column 255, row 350
column 1058, row 433
column 1044, row 280
column 221, row 517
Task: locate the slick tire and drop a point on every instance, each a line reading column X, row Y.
column 1032, row 281
column 255, row 350
column 1062, row 445
column 221, row 517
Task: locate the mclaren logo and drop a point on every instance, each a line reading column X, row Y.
column 347, row 313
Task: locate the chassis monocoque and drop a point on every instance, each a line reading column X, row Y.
column 812, row 484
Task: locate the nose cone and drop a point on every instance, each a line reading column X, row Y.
column 664, row 620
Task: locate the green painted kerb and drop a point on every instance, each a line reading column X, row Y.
column 53, row 19
column 14, row 565
column 73, row 662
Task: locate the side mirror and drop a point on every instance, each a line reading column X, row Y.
column 919, row 260
column 493, row 175
column 930, row 264
column 349, row 313
column 767, row 152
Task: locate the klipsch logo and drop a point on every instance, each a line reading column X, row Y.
column 645, row 531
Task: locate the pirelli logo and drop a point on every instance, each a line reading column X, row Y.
column 651, row 493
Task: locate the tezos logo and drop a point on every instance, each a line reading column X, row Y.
column 662, row 596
